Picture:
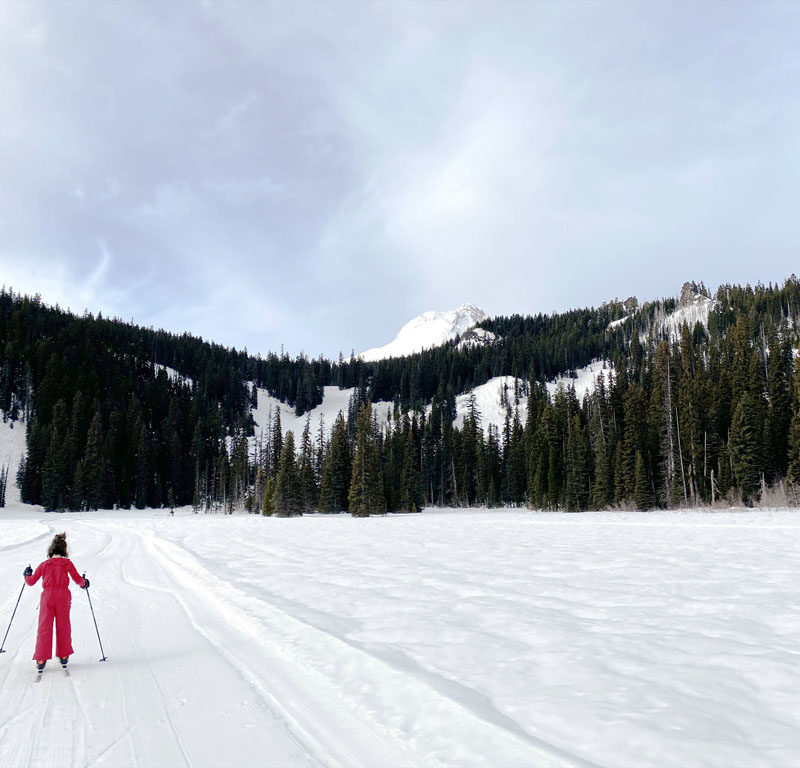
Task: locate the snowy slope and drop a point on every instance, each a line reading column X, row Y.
column 478, row 638
column 430, row 329
column 585, row 379
column 617, row 323
column 12, row 449
column 489, row 396
column 476, row 337
column 488, row 401
column 172, row 374
column 334, row 400
column 695, row 310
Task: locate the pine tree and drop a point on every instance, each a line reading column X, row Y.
column 277, row 441
column 287, row 498
column 91, row 471
column 745, row 447
column 793, row 469
column 336, row 470
column 410, row 497
column 366, row 495
column 143, row 481
column 642, row 493
column 577, row 471
column 779, row 410
column 309, row 493
column 56, row 462
column 268, row 499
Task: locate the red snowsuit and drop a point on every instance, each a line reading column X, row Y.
column 55, row 603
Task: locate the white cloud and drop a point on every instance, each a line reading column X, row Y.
column 277, row 173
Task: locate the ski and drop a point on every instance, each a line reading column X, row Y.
column 66, row 672
column 38, row 676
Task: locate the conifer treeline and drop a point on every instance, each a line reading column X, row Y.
column 712, row 415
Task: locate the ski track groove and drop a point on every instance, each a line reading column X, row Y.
column 125, row 579
column 268, row 703
column 327, row 725
column 293, row 721
column 546, row 751
column 164, row 699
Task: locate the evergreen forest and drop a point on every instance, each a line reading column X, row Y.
column 117, row 415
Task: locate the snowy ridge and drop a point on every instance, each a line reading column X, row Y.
column 430, row 329
column 694, row 306
column 695, row 311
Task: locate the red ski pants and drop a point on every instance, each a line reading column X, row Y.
column 55, row 604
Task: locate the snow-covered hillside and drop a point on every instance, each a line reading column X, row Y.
column 476, row 337
column 473, row 639
column 585, row 379
column 497, row 397
column 12, row 449
column 334, row 400
column 430, row 329
column 172, row 374
column 693, row 307
column 489, row 402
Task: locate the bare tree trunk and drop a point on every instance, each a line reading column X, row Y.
column 680, row 453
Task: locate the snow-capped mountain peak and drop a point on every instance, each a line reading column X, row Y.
column 430, row 329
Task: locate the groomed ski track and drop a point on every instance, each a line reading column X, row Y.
column 207, row 670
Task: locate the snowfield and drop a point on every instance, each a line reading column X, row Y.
column 448, row 638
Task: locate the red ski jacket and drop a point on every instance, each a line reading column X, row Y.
column 55, row 572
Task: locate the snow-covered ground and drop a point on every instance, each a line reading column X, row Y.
column 472, row 638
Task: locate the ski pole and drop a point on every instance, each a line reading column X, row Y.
column 95, row 623
column 2, row 647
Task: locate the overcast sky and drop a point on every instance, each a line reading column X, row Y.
column 316, row 174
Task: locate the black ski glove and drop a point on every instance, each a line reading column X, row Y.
column 86, row 585
column 28, row 571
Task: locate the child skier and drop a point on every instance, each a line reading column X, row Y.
column 55, row 603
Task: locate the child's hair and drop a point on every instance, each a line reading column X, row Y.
column 58, row 546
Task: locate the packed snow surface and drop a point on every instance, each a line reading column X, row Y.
column 470, row 638
column 430, row 329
